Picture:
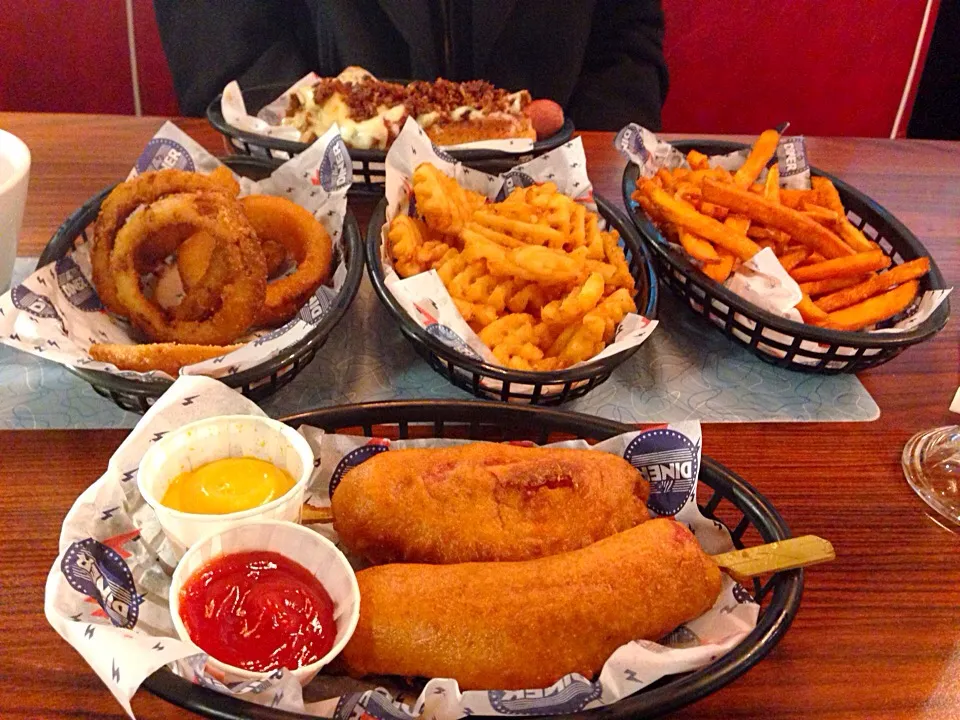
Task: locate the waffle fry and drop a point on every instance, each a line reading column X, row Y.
column 536, row 275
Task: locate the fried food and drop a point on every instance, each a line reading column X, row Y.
column 760, row 154
column 123, row 200
column 851, row 265
column 686, row 216
column 808, row 230
column 537, row 266
column 800, row 227
column 167, row 357
column 210, row 256
column 241, row 296
column 874, row 310
column 370, row 113
column 282, row 221
column 485, row 501
column 874, row 284
column 526, row 624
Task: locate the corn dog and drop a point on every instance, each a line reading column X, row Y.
column 485, row 501
column 521, row 625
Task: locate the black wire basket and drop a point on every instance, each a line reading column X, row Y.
column 784, row 343
column 493, row 382
column 722, row 495
column 257, row 382
column 369, row 174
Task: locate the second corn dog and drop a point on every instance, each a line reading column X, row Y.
column 519, row 625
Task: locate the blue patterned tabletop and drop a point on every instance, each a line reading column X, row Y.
column 686, row 370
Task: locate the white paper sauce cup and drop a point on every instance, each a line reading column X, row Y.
column 295, row 542
column 204, row 441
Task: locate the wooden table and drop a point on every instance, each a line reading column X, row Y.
column 878, row 634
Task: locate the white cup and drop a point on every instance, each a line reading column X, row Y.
column 14, row 177
column 295, row 542
column 198, row 443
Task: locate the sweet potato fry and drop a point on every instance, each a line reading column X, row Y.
column 824, row 216
column 771, row 187
column 697, row 160
column 706, row 227
column 876, row 284
column 815, row 288
column 874, row 310
column 761, row 233
column 668, row 180
column 720, row 271
column 794, row 198
column 792, row 258
column 828, row 197
column 760, row 154
column 698, row 248
column 842, row 267
column 739, row 223
column 812, row 259
column 796, row 224
column 810, row 312
column 714, row 211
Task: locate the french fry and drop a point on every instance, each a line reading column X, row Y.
column 812, row 259
column 714, row 211
column 706, row 227
column 760, row 154
column 720, row 271
column 876, row 284
column 874, row 310
column 810, row 312
column 792, row 258
column 738, row 223
column 698, row 248
column 815, row 288
column 697, row 160
column 842, row 267
column 771, row 187
column 669, row 183
column 822, row 215
column 794, row 198
column 761, row 233
column 796, row 224
column 829, row 197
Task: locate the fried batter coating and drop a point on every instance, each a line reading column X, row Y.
column 519, row 625
column 485, row 501
column 168, row 357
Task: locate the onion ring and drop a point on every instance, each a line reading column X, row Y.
column 276, row 219
column 193, row 257
column 166, row 357
column 124, row 200
column 240, row 297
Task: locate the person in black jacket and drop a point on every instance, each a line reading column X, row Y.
column 601, row 60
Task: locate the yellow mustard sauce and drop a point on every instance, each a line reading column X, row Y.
column 226, row 486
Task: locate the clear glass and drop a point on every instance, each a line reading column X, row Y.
column 931, row 464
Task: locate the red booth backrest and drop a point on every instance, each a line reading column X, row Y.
column 829, row 67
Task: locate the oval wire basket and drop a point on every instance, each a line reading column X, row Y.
column 368, row 165
column 722, row 495
column 782, row 342
column 493, row 382
column 257, row 382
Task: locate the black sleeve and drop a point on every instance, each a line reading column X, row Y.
column 256, row 42
column 624, row 74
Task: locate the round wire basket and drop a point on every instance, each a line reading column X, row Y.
column 369, row 173
column 257, row 382
column 782, row 342
column 722, row 496
column 494, row 382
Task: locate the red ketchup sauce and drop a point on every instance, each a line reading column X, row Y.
column 258, row 611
